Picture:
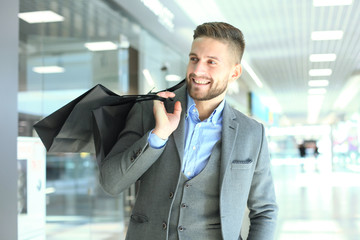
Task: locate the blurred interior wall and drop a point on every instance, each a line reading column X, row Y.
column 8, row 107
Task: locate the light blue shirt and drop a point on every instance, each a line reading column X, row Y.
column 200, row 138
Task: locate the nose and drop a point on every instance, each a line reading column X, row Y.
column 200, row 68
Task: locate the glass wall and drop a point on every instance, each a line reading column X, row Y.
column 56, row 66
column 308, row 147
column 332, row 148
column 346, row 144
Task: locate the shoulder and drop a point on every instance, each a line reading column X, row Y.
column 246, row 125
column 241, row 118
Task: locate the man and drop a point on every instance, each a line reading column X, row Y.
column 199, row 167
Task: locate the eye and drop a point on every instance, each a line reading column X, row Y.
column 212, row 62
column 194, row 59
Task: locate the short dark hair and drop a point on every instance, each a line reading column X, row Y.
column 223, row 32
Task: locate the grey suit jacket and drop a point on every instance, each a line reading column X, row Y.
column 245, row 177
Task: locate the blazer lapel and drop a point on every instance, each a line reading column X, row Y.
column 179, row 134
column 229, row 134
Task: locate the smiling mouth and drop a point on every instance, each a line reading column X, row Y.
column 200, row 81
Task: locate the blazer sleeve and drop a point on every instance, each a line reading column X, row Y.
column 262, row 201
column 131, row 156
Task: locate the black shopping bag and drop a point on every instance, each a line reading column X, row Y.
column 91, row 122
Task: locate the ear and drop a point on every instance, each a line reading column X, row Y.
column 236, row 73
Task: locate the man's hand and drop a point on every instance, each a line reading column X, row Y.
column 166, row 123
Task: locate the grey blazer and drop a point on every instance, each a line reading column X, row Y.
column 245, row 177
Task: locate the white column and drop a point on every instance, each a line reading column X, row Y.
column 9, row 42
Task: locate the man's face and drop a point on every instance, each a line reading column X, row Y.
column 211, row 67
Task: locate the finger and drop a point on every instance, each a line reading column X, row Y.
column 177, row 109
column 159, row 110
column 158, row 106
column 166, row 94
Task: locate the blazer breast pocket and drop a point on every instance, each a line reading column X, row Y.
column 242, row 164
column 138, row 218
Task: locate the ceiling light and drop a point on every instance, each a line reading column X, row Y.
column 48, row 69
column 321, row 3
column 40, row 17
column 165, row 16
column 148, row 77
column 318, row 83
column 101, row 46
column 320, row 72
column 322, row 57
column 172, row 78
column 252, row 73
column 314, row 91
column 326, row 35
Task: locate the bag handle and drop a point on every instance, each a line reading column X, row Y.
column 153, row 95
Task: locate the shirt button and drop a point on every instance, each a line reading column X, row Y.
column 171, row 195
column 181, row 228
column 183, row 205
column 194, row 147
column 164, row 225
column 187, row 185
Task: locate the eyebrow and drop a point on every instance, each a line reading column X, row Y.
column 211, row 57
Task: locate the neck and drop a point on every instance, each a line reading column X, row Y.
column 206, row 108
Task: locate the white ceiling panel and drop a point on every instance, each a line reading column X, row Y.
column 277, row 35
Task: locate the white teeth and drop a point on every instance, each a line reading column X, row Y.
column 200, row 82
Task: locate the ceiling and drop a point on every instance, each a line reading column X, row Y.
column 278, row 46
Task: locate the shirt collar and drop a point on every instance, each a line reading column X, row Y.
column 192, row 111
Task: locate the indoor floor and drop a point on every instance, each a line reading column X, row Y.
column 313, row 204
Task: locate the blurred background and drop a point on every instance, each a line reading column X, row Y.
column 301, row 79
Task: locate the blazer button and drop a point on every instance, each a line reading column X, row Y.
column 171, row 195
column 181, row 228
column 138, row 152
column 132, row 159
column 164, row 225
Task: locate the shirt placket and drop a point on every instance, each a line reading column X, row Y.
column 195, row 148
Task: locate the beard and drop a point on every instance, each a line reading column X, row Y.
column 198, row 94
